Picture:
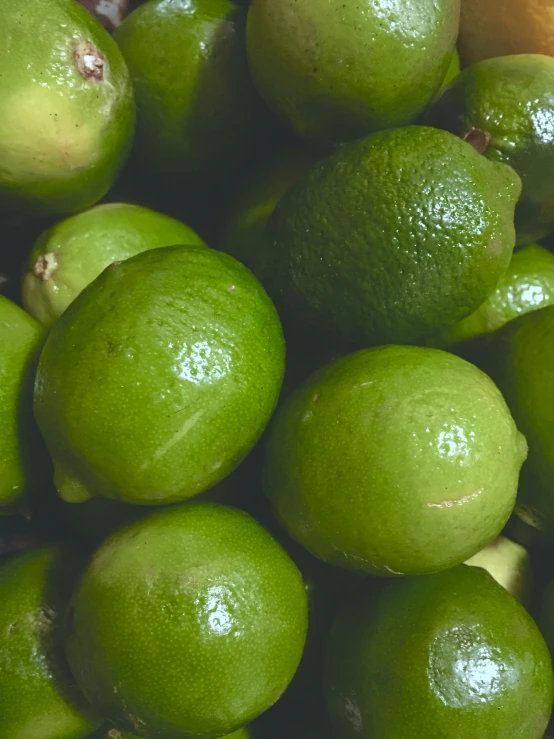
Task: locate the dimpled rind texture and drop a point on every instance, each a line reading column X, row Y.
column 20, row 337
column 85, row 244
column 159, row 378
column 198, row 110
column 527, row 286
column 340, row 70
column 392, row 237
column 521, row 360
column 38, row 695
column 190, row 622
column 442, row 657
column 512, row 100
column 394, row 461
column 63, row 138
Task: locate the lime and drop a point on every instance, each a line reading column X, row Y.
column 442, row 657
column 191, row 621
column 521, row 359
column 67, row 107
column 70, row 255
column 506, row 108
column 527, row 285
column 183, row 351
column 197, row 110
column 392, row 238
column 337, row 71
column 394, row 460
column 509, row 564
column 38, row 696
column 21, row 458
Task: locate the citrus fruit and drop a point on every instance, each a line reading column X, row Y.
column 338, row 71
column 197, row 109
column 521, row 359
column 38, row 696
column 502, row 27
column 20, row 455
column 394, row 461
column 67, row 108
column 392, row 237
column 505, row 106
column 443, row 656
column 189, row 622
column 509, row 564
column 183, row 351
column 527, row 285
column 70, row 255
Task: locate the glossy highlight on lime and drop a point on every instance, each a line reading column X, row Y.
column 395, row 460
column 438, row 654
column 191, row 622
column 183, row 351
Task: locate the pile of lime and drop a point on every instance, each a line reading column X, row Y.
column 276, row 369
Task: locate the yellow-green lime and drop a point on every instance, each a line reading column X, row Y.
column 70, row 255
column 183, row 352
column 337, row 71
column 67, row 107
column 521, row 359
column 506, row 108
column 38, row 695
column 527, row 285
column 21, row 457
column 394, row 461
column 510, row 565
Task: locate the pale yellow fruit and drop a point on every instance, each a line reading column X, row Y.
column 490, row 28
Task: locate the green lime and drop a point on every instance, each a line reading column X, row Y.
column 190, row 622
column 67, row 107
column 21, row 458
column 394, row 460
column 335, row 71
column 198, row 112
column 70, row 255
column 505, row 107
column 527, row 285
column 510, row 565
column 521, row 360
column 247, row 215
column 183, row 351
column 38, row 696
column 442, row 657
column 392, row 238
